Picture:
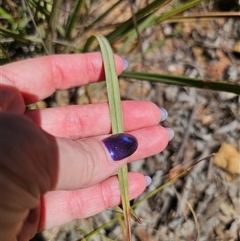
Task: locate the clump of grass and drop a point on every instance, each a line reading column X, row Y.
column 33, row 27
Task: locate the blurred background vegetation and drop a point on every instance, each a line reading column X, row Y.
column 33, row 27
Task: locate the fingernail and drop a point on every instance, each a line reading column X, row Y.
column 164, row 114
column 170, row 133
column 120, row 145
column 148, row 180
column 125, row 64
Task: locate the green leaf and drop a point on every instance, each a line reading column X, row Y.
column 18, row 37
column 52, row 28
column 128, row 25
column 73, row 18
column 7, row 16
column 185, row 81
column 151, row 19
column 117, row 123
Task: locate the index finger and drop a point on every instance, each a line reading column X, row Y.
column 38, row 78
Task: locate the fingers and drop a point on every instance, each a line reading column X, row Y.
column 64, row 206
column 76, row 122
column 83, row 163
column 38, row 78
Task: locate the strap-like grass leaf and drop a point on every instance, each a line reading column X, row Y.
column 218, row 85
column 117, row 123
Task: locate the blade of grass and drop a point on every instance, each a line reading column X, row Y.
column 204, row 16
column 195, row 220
column 97, row 230
column 101, row 17
column 148, row 196
column 5, row 53
column 143, row 18
column 5, row 15
column 19, row 37
column 120, row 219
column 152, row 20
column 177, row 10
column 73, row 18
column 117, row 124
column 131, row 35
column 112, row 86
column 52, row 25
column 128, row 25
column 157, row 44
column 184, row 81
column 35, row 26
column 170, row 181
column 35, row 4
column 88, row 44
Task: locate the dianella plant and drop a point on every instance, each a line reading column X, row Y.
column 31, row 28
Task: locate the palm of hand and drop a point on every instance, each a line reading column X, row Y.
column 50, row 175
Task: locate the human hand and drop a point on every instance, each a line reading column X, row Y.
column 54, row 167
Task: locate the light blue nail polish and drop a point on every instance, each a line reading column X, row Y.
column 164, row 114
column 125, row 64
column 170, row 133
column 148, row 180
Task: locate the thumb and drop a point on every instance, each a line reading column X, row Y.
column 28, row 169
column 86, row 162
column 29, row 155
